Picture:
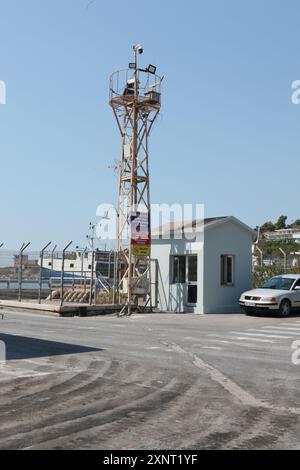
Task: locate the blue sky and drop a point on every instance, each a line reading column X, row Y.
column 228, row 135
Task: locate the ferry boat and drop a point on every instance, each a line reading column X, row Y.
column 79, row 267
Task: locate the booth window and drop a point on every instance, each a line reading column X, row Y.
column 178, row 265
column 227, row 270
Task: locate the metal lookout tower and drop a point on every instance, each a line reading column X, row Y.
column 135, row 97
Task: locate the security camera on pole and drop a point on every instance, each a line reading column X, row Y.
column 135, row 97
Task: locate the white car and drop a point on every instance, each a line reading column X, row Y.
column 281, row 294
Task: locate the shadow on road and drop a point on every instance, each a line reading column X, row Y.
column 21, row 347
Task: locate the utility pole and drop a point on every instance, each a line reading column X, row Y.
column 91, row 237
column 261, row 255
column 135, row 97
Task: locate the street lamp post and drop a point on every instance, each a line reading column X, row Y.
column 52, row 260
column 285, row 259
column 22, row 249
column 41, row 270
column 261, row 255
column 62, row 273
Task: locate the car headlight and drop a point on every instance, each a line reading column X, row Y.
column 270, row 299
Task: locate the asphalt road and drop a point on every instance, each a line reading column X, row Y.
column 149, row 382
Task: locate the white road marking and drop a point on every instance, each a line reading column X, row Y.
column 24, row 374
column 261, row 335
column 58, row 367
column 243, row 338
column 283, row 328
column 88, row 327
column 232, row 387
column 217, row 376
column 235, row 390
column 39, row 362
column 287, row 333
column 223, row 341
column 234, row 343
column 242, row 395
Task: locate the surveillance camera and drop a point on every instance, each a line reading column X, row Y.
column 139, row 48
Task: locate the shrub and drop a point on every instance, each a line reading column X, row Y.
column 262, row 273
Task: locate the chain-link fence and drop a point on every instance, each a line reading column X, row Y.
column 83, row 276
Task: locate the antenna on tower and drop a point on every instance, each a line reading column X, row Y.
column 115, row 167
column 135, row 97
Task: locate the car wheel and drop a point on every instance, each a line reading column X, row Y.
column 248, row 311
column 285, row 308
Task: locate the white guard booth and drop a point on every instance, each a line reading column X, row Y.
column 204, row 269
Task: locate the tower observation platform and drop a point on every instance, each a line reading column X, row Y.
column 122, row 90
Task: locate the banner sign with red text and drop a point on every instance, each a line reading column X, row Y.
column 140, row 236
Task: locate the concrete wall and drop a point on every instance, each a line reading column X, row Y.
column 228, row 238
column 13, row 294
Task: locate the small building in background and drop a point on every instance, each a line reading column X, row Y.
column 26, row 261
column 289, row 235
column 202, row 267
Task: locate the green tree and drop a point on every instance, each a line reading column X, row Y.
column 268, row 227
column 281, row 222
column 296, row 223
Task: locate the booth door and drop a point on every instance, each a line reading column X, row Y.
column 192, row 280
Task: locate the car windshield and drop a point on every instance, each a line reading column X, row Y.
column 279, row 283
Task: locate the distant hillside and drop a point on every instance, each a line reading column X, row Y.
column 31, row 273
